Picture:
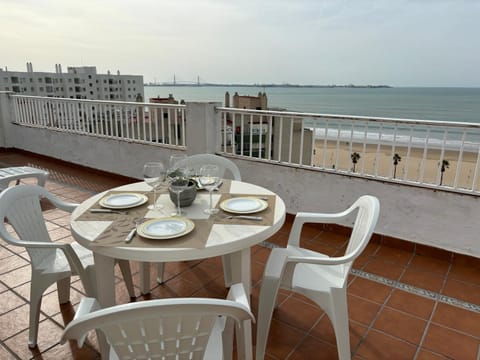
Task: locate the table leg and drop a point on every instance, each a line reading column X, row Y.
column 241, row 269
column 145, row 278
column 105, row 279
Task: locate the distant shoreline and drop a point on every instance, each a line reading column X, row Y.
column 272, row 85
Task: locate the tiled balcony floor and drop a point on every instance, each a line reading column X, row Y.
column 405, row 301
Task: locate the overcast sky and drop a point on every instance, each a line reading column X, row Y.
column 393, row 42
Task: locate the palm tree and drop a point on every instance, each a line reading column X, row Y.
column 445, row 165
column 355, row 156
column 396, row 159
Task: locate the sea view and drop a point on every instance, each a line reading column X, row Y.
column 443, row 104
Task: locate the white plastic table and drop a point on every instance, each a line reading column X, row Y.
column 233, row 239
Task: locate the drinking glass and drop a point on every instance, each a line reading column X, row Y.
column 176, row 161
column 179, row 182
column 154, row 175
column 210, row 179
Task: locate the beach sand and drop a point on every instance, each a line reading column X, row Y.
column 378, row 160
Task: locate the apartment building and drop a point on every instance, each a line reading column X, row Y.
column 79, row 82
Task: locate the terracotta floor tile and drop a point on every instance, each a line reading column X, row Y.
column 450, row 343
column 448, row 316
column 383, row 268
column 12, row 263
column 465, row 269
column 332, row 239
column 310, row 231
column 5, row 354
column 17, row 277
column 49, row 335
column 428, row 264
column 321, row 248
column 9, row 301
column 5, row 253
column 298, row 314
column 362, row 310
column 400, row 325
column 463, row 291
column 393, row 255
column 422, row 280
column 369, row 290
column 378, row 345
column 432, row 252
column 14, row 322
column 311, row 348
column 428, row 355
column 282, row 339
column 69, row 350
column 323, row 331
column 411, row 303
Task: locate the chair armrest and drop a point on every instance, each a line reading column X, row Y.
column 308, row 217
column 237, row 294
column 87, row 305
column 319, row 260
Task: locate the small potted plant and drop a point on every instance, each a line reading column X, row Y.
column 188, row 194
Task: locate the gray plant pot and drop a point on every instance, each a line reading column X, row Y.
column 187, row 196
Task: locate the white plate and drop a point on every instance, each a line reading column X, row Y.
column 243, row 205
column 123, row 200
column 165, row 228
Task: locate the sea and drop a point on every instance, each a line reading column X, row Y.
column 419, row 103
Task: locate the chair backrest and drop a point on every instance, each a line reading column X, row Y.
column 197, row 160
column 368, row 209
column 162, row 329
column 21, row 206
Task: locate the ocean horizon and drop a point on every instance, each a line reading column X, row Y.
column 419, row 103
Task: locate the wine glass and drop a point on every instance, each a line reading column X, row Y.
column 176, row 161
column 209, row 178
column 154, row 175
column 179, row 182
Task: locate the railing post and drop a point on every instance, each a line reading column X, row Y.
column 203, row 124
column 6, row 116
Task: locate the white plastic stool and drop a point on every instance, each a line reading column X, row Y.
column 10, row 174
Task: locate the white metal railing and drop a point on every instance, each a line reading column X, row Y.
column 416, row 152
column 131, row 121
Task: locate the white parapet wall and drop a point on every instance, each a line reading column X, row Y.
column 436, row 218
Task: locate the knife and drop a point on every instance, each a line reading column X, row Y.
column 107, row 211
column 130, row 235
column 246, row 217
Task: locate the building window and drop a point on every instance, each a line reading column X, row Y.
column 32, row 89
column 89, row 76
column 40, row 88
column 133, row 81
column 128, row 81
column 40, row 80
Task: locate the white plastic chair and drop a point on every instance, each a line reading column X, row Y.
column 196, row 162
column 50, row 261
column 9, row 174
column 179, row 328
column 321, row 278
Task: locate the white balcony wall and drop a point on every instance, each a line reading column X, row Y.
column 441, row 219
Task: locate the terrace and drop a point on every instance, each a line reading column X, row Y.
column 415, row 298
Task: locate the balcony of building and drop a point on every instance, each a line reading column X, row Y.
column 413, row 294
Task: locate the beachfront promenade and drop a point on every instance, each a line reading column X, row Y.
column 417, row 167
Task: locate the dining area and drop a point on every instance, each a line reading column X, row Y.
column 240, row 255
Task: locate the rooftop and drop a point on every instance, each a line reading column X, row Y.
column 406, row 301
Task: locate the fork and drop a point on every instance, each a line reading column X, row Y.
column 132, row 232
